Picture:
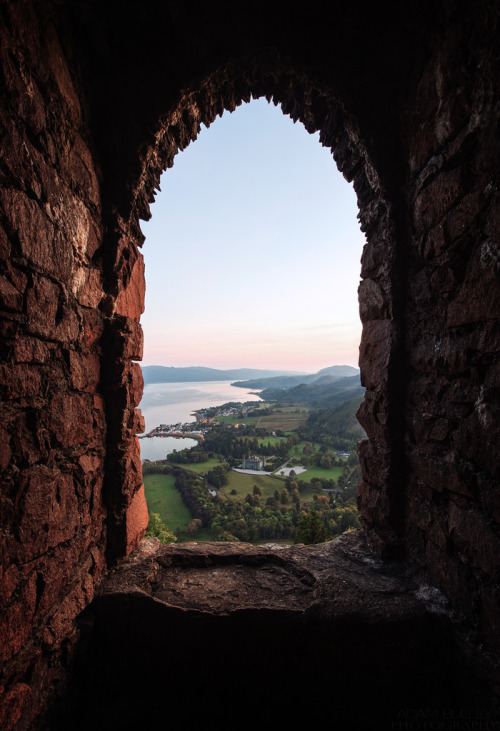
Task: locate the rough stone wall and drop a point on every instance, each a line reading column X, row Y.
column 53, row 415
column 97, row 101
column 452, row 336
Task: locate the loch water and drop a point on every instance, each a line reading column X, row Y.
column 171, row 403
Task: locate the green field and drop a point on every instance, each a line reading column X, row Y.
column 163, row 498
column 313, row 473
column 202, row 467
column 243, row 484
column 285, row 419
column 249, row 420
column 272, row 440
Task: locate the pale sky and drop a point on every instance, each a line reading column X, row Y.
column 253, row 251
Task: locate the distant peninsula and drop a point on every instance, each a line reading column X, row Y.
column 171, row 374
column 289, row 380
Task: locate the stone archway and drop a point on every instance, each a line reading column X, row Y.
column 98, row 96
column 380, row 501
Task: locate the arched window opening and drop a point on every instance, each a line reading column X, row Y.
column 252, row 262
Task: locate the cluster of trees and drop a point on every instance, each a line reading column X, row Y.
column 195, row 455
column 157, row 529
column 218, row 476
column 252, row 519
column 334, row 426
column 194, row 492
column 232, row 446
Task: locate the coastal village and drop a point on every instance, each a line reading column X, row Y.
column 197, row 429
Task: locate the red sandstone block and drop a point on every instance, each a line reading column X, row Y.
column 477, row 298
column 136, row 520
column 49, row 314
column 36, row 234
column 374, row 462
column 419, row 513
column 61, row 623
column 129, row 338
column 132, row 462
column 138, row 422
column 130, row 300
column 10, row 297
column 463, row 215
column 32, row 350
column 372, row 303
column 13, row 705
column 5, row 246
column 91, row 329
column 20, row 381
column 5, row 450
column 15, row 627
column 65, row 573
column 436, row 199
column 136, row 384
column 473, row 537
column 81, row 171
column 50, row 511
column 373, row 415
column 71, row 418
column 90, row 463
column 87, row 286
column 85, row 371
column 438, row 470
column 10, row 577
column 375, row 352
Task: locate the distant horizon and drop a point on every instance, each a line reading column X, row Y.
column 247, row 367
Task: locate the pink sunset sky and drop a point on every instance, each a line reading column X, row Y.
column 253, row 251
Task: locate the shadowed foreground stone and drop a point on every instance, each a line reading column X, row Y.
column 260, row 633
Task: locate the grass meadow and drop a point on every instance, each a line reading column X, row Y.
column 201, row 467
column 243, row 484
column 162, row 497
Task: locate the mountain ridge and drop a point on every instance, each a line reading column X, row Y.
column 174, row 374
column 325, row 375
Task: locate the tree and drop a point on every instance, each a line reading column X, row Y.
column 226, row 537
column 310, row 529
column 157, row 529
column 194, row 526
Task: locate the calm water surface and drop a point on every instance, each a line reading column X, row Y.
column 170, row 403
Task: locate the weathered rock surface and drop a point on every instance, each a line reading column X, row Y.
column 268, row 631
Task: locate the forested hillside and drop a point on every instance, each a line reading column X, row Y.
column 319, row 394
column 335, row 424
column 325, row 375
column 171, row 374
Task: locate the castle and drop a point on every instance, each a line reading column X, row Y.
column 101, row 629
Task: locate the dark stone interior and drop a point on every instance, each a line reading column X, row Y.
column 98, row 97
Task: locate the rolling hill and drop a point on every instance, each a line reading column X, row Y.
column 171, row 374
column 325, row 375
